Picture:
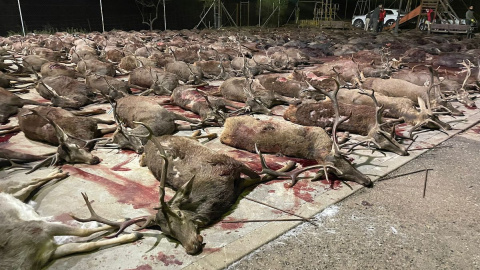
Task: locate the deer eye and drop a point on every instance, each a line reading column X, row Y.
column 179, row 213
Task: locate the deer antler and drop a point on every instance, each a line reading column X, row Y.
column 95, row 217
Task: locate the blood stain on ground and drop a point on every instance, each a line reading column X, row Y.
column 130, row 192
column 119, row 166
column 302, row 190
column 166, row 259
column 7, row 137
column 64, row 218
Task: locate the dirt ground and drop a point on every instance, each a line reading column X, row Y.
column 392, row 226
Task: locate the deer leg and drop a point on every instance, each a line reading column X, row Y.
column 26, row 189
column 8, row 131
column 72, row 248
column 104, row 131
column 103, row 121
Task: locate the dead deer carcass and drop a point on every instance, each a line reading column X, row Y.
column 212, row 109
column 108, row 86
column 147, row 110
column 79, row 128
column 280, row 136
column 56, row 69
column 96, row 67
column 207, row 184
column 287, row 86
column 10, row 104
column 67, row 149
column 27, row 240
column 65, row 92
column 364, row 120
column 396, row 107
column 161, row 82
column 252, row 93
column 22, row 188
column 187, row 73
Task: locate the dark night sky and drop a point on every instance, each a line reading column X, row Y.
column 123, row 14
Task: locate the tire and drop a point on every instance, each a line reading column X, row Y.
column 358, row 24
column 389, row 23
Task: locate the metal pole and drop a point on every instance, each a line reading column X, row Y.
column 260, row 13
column 101, row 12
column 278, row 18
column 21, row 17
column 398, row 19
column 164, row 16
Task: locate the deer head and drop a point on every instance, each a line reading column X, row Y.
column 335, row 162
column 69, row 152
column 173, row 220
column 378, row 135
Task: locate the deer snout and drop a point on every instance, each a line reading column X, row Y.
column 196, row 246
column 95, row 160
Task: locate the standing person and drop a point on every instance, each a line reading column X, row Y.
column 374, row 18
column 470, row 21
column 367, row 20
column 469, row 17
column 381, row 19
column 430, row 18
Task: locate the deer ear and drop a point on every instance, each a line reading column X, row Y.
column 186, row 189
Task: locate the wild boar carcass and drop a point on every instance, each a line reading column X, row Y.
column 65, row 92
column 280, row 136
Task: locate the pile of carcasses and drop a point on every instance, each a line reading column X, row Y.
column 155, row 84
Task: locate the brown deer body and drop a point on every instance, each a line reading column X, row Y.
column 81, row 129
column 279, row 136
column 160, row 81
column 189, row 98
column 55, row 69
column 143, row 109
column 252, row 93
column 10, row 104
column 363, row 120
column 96, row 67
column 207, row 185
column 395, row 107
column 65, row 92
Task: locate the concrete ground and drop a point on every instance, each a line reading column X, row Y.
column 392, row 226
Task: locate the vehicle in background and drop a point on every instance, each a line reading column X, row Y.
column 359, row 20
